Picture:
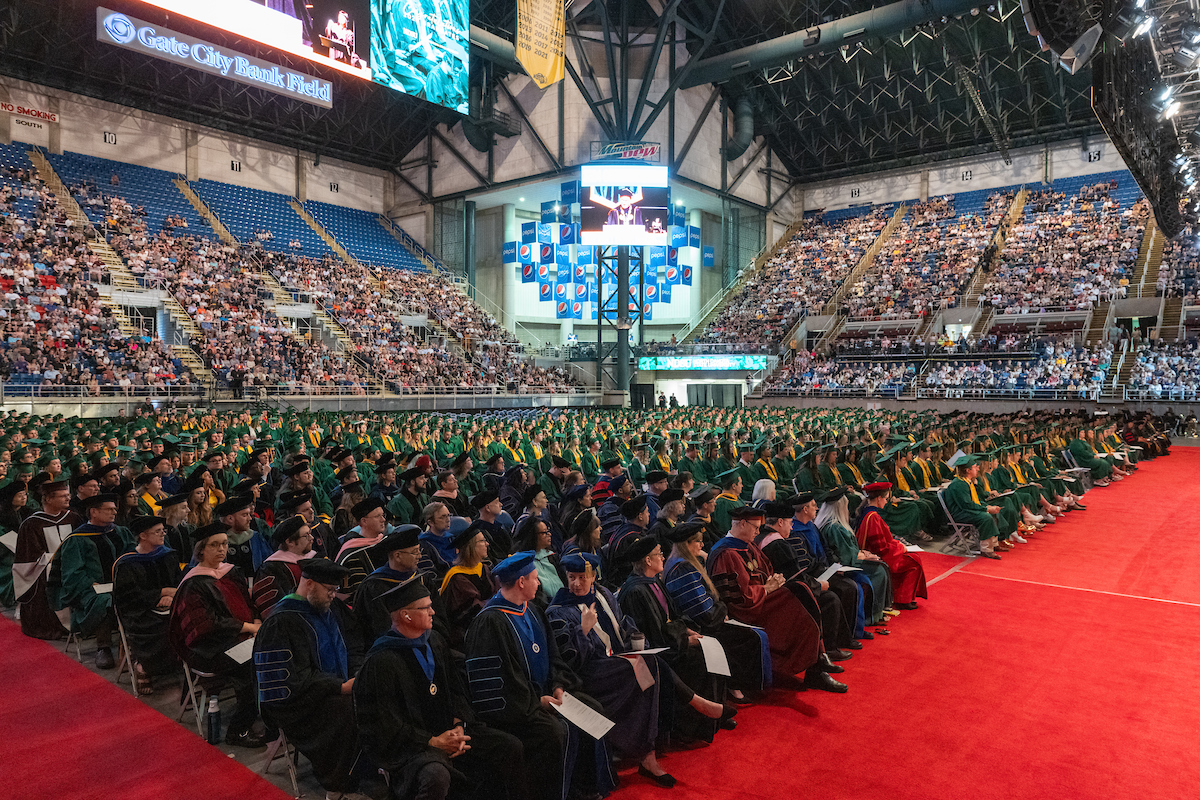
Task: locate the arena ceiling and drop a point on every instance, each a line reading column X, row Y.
column 947, row 89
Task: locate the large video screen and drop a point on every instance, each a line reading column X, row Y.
column 418, row 47
column 624, row 204
column 701, row 362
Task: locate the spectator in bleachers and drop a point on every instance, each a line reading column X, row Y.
column 927, row 261
column 798, row 280
column 1068, row 252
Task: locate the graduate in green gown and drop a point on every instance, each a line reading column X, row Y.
column 962, row 499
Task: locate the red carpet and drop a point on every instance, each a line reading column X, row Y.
column 1003, row 689
column 68, row 733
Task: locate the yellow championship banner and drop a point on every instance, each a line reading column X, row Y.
column 541, row 28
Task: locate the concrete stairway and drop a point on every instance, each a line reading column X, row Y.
column 324, row 234
column 1171, row 326
column 736, row 287
column 864, row 264
column 204, row 211
column 184, row 322
column 1095, row 331
column 1149, row 260
column 983, row 323
column 1015, row 211
column 119, row 274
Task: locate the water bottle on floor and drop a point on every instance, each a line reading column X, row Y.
column 214, row 721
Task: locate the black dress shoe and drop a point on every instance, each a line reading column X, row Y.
column 815, row 679
column 839, row 655
column 1080, row 507
column 728, row 712
column 247, row 738
column 867, row 635
column 986, row 554
column 828, row 666
column 906, row 606
column 104, row 658
column 854, row 645
column 665, row 780
column 727, row 724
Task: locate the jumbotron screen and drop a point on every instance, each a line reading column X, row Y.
column 418, row 47
column 624, row 204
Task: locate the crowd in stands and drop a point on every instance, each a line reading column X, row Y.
column 1177, row 271
column 1056, row 364
column 1068, row 252
column 1166, row 371
column 927, row 262
column 221, row 287
column 933, row 343
column 808, row 374
column 57, row 337
column 798, row 280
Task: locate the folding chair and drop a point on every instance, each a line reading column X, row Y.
column 963, row 535
column 206, row 683
column 74, row 637
column 1082, row 473
column 289, row 754
column 125, row 662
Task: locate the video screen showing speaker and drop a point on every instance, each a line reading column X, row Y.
column 418, row 47
column 336, row 33
column 624, row 204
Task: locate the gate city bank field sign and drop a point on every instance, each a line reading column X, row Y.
column 122, row 30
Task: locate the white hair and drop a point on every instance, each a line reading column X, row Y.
column 834, row 511
column 764, row 490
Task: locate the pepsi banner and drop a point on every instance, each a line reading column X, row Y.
column 509, row 254
column 672, row 275
column 528, row 273
column 582, row 292
column 679, row 216
column 651, row 293
column 569, row 193
column 525, row 253
column 529, row 232
column 562, row 309
column 566, row 234
column 549, row 211
column 562, row 256
column 562, row 291
column 657, row 257
column 545, row 233
column 580, row 273
column 664, row 293
column 545, row 293
column 693, row 236
column 545, row 254
column 679, row 237
column 584, row 254
column 686, row 275
column 546, row 274
column 708, row 257
column 647, row 312
column 672, row 256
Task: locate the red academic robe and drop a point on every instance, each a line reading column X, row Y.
column 908, row 576
column 739, row 571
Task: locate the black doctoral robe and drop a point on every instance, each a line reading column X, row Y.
column 301, row 662
column 512, row 662
column 792, row 560
column 398, row 714
column 138, row 581
column 646, row 601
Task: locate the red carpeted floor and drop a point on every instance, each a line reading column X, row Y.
column 68, row 733
column 1001, row 686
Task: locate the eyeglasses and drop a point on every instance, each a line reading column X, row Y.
column 422, row 608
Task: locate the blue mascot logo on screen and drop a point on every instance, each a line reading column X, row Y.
column 120, row 28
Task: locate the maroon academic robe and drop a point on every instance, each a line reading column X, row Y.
column 908, row 576
column 739, row 570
